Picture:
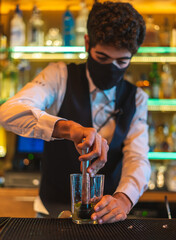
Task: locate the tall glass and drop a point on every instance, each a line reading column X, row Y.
column 80, row 213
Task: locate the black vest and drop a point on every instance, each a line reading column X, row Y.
column 61, row 157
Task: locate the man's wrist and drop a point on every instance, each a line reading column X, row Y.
column 62, row 129
column 125, row 199
column 65, row 129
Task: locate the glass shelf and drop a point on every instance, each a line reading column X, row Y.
column 49, row 53
column 144, row 55
column 76, row 49
column 155, row 54
column 150, row 59
column 162, row 155
column 161, row 50
column 162, row 105
column 45, row 49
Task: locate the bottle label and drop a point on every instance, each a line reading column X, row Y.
column 155, row 91
column 17, row 37
column 37, row 37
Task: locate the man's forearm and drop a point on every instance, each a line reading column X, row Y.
column 63, row 129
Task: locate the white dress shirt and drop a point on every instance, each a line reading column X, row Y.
column 32, row 112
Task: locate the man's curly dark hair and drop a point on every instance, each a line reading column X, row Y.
column 116, row 24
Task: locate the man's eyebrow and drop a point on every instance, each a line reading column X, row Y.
column 104, row 54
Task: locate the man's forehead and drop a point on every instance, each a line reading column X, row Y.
column 112, row 52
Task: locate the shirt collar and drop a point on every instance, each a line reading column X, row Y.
column 110, row 93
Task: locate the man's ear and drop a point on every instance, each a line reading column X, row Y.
column 86, row 38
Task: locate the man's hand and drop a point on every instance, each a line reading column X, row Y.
column 97, row 145
column 112, row 208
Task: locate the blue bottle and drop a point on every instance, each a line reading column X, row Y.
column 68, row 29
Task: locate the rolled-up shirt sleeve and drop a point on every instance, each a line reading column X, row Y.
column 136, row 168
column 32, row 112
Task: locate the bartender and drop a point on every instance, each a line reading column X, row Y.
column 66, row 103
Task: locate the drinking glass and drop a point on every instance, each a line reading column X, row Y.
column 81, row 213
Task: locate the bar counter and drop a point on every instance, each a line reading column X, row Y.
column 65, row 229
column 23, row 198
column 18, row 222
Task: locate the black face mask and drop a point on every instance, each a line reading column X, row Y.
column 104, row 76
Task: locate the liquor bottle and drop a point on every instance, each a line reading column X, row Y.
column 173, row 35
column 53, row 37
column 153, row 177
column 36, row 29
column 23, row 74
column 144, row 84
column 154, row 79
column 162, row 133
column 9, row 80
column 17, row 29
column 3, row 44
column 165, row 147
column 3, row 65
column 161, row 177
column 1, row 81
column 68, row 28
column 3, row 142
column 3, row 38
column 166, row 82
column 152, row 33
column 170, row 176
column 165, row 34
column 152, row 133
column 174, row 89
column 173, row 133
column 81, row 24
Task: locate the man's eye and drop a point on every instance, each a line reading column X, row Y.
column 121, row 62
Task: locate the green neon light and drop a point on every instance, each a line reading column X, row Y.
column 162, row 155
column 157, row 50
column 42, row 49
column 78, row 49
column 65, row 49
column 161, row 102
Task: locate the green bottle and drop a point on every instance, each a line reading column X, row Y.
column 155, row 81
column 9, row 80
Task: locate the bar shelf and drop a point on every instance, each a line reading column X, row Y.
column 162, row 105
column 144, row 55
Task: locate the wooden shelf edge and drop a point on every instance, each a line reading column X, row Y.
column 158, row 197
